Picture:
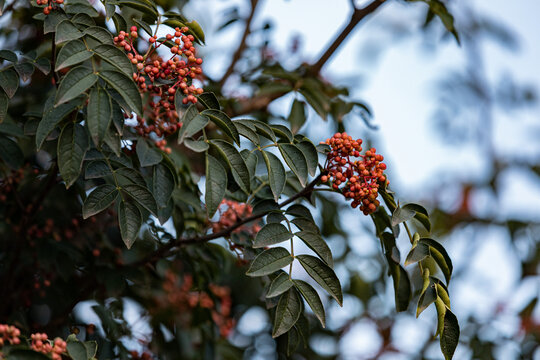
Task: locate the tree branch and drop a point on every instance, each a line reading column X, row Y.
column 357, row 16
column 165, row 250
column 242, row 46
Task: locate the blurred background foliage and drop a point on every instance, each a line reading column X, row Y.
column 102, row 302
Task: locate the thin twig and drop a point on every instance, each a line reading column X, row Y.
column 165, row 249
column 357, row 16
column 243, row 44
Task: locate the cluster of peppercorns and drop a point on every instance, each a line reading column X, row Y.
column 54, row 348
column 49, row 5
column 182, row 298
column 230, row 212
column 161, row 79
column 9, row 334
column 356, row 176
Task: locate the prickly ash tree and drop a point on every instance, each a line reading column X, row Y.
column 115, row 151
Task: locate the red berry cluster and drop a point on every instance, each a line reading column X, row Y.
column 161, row 79
column 182, row 298
column 140, row 356
column 9, row 334
column 230, row 212
column 49, row 5
column 356, row 176
column 54, row 348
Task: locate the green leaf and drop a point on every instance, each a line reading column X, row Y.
column 11, row 153
column 216, row 184
column 52, row 116
column 223, row 121
column 238, row 166
column 282, row 132
column 288, row 311
column 72, row 146
column 76, row 350
column 323, row 275
column 9, row 81
column 84, row 19
column 276, row 173
column 402, row 214
column 318, row 102
column 125, row 86
column 8, row 55
column 248, row 133
column 417, row 253
column 4, row 102
column 209, row 100
column 142, row 196
column 296, row 161
column 271, row 234
column 25, row 70
column 261, row 128
column 196, row 30
column 279, row 285
column 312, row 157
column 99, row 114
column 130, row 221
column 11, row 129
column 143, row 25
column 316, row 243
column 66, row 31
column 143, row 6
column 74, row 83
column 439, row 254
column 192, row 123
column 119, row 21
column 298, row 210
column 306, row 224
column 91, row 349
column 100, row 34
column 426, row 299
column 74, row 52
column 402, row 287
column 450, row 335
column 313, row 299
column 163, row 184
column 131, row 176
column 297, row 116
column 196, row 145
column 97, row 169
column 115, row 57
column 52, row 20
column 293, row 339
column 100, row 199
column 269, row 261
column 147, row 155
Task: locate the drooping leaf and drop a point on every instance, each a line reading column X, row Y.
column 282, row 132
column 52, row 20
column 100, row 199
column 142, row 196
column 439, row 254
column 223, row 121
column 115, row 57
column 147, row 155
column 192, row 123
column 11, row 153
column 296, row 161
column 99, row 114
column 316, row 243
column 312, row 157
column 271, row 234
column 125, row 86
column 323, row 275
column 276, row 173
column 100, row 34
column 426, row 299
column 97, row 169
column 196, row 145
column 248, row 133
column 216, row 184
column 450, row 335
column 402, row 214
column 299, row 210
column 418, row 253
column 66, row 31
column 52, row 116
column 238, row 166
column 8, row 55
column 25, row 70
column 9, row 81
column 73, row 53
column 130, row 176
column 288, row 311
column 269, row 261
column 130, row 221
column 72, row 146
column 313, row 299
column 163, row 184
column 74, row 83
column 297, row 115
column 209, row 100
column 279, row 285
column 4, row 103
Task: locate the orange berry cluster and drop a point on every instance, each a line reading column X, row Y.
column 42, row 345
column 232, row 211
column 183, row 299
column 356, row 176
column 161, row 79
column 9, row 334
column 49, row 5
